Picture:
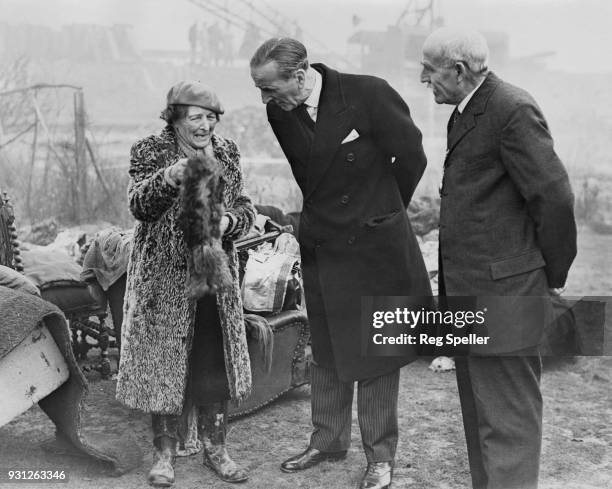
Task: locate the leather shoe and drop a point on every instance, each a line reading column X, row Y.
column 309, row 458
column 377, row 476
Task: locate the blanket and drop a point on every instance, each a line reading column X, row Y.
column 107, row 258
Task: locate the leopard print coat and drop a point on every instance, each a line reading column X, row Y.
column 158, row 323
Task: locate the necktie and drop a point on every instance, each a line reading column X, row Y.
column 449, row 127
column 453, row 120
column 304, row 116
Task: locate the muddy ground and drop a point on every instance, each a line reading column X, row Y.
column 577, row 448
column 577, row 445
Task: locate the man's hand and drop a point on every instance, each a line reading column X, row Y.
column 556, row 292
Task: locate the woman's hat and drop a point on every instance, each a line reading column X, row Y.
column 194, row 93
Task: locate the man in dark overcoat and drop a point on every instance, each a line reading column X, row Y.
column 507, row 239
column 357, row 156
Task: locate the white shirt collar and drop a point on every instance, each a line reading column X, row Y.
column 313, row 98
column 467, row 98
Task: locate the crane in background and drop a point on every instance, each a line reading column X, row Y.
column 258, row 21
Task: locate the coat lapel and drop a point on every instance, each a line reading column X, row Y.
column 291, row 138
column 289, row 134
column 475, row 107
column 333, row 121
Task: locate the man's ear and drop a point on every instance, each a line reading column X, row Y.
column 461, row 70
column 300, row 75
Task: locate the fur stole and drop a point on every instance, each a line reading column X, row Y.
column 201, row 211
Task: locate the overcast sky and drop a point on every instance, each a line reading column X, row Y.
column 579, row 31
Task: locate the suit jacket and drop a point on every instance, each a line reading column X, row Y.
column 355, row 238
column 507, row 225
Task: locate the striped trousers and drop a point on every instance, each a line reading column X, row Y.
column 331, row 404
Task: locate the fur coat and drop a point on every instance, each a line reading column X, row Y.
column 159, row 314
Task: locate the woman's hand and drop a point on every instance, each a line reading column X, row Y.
column 176, row 172
column 224, row 224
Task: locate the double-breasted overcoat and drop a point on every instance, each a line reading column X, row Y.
column 357, row 171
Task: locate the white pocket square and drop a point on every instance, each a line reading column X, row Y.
column 351, row 137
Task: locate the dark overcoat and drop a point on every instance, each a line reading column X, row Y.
column 507, row 226
column 355, row 238
column 158, row 314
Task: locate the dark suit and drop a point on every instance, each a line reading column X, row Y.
column 507, row 229
column 355, row 238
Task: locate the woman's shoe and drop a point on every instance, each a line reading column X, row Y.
column 217, row 458
column 164, row 440
column 162, row 472
column 211, row 425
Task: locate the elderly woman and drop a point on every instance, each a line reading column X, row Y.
column 179, row 346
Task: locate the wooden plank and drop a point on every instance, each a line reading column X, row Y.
column 30, row 372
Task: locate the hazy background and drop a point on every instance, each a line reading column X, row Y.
column 578, row 30
column 123, row 95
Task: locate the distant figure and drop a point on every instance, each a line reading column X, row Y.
column 180, row 346
column 298, row 33
column 193, row 42
column 204, row 45
column 215, row 43
column 227, row 46
column 252, row 37
column 507, row 230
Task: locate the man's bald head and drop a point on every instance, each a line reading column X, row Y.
column 454, row 63
column 449, row 46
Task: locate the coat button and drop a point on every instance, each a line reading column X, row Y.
column 344, row 199
column 350, row 157
column 318, row 243
column 351, row 240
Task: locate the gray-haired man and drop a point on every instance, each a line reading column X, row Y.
column 507, row 229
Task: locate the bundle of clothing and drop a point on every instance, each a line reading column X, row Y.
column 269, row 273
column 107, row 255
